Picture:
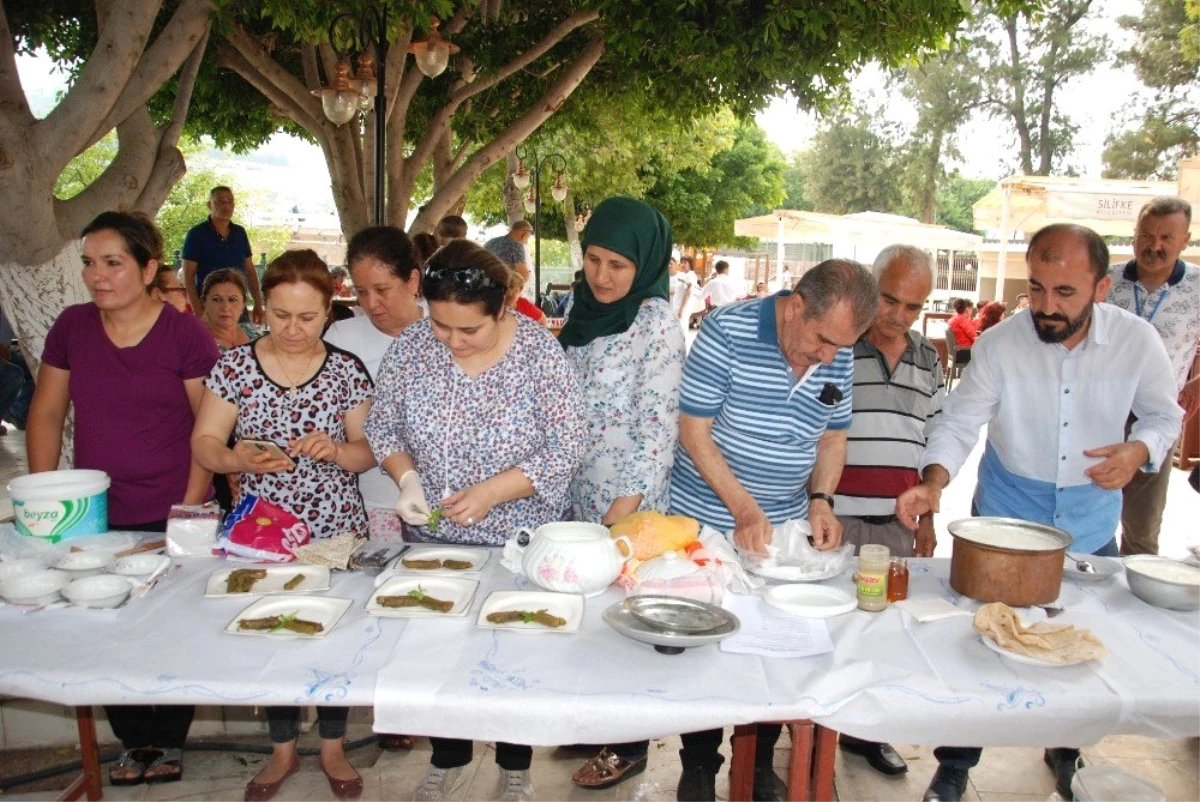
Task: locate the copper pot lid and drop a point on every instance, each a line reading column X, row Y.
column 1010, row 534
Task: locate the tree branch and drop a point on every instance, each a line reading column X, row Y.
column 243, row 56
column 328, row 62
column 556, row 35
column 120, row 184
column 550, row 101
column 15, row 115
column 308, row 58
column 183, row 96
column 153, row 68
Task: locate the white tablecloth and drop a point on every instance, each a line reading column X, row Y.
column 889, row 678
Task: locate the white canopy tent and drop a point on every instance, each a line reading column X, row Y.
column 1027, row 203
column 860, row 236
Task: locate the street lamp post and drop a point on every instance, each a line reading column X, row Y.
column 533, row 201
column 347, row 95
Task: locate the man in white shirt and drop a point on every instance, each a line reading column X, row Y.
column 1054, row 387
column 1163, row 290
column 721, row 289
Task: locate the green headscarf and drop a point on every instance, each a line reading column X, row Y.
column 643, row 236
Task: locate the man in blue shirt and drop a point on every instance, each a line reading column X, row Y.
column 1054, row 388
column 216, row 243
column 764, row 409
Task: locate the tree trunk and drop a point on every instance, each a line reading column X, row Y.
column 514, row 199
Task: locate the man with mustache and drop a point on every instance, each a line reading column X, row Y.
column 1055, row 388
column 1163, row 290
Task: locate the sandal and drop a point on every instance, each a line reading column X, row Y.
column 607, row 769
column 171, row 760
column 135, row 759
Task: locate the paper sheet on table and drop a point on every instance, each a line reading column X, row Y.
column 768, row 632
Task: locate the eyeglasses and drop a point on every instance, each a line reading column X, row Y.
column 470, row 279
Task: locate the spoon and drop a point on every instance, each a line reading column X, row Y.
column 1084, row 567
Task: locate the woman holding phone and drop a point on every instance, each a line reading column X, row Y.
column 292, row 389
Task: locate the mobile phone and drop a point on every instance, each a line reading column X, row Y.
column 267, row 447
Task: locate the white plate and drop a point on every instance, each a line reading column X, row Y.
column 325, row 610
column 810, row 601
column 477, row 558
column 563, row 605
column 316, row 577
column 1104, row 567
column 142, row 565
column 789, row 573
column 1016, row 657
column 459, row 591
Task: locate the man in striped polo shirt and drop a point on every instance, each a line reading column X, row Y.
column 764, row 408
column 898, row 392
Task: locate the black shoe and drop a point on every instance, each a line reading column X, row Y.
column 768, row 787
column 948, row 785
column 881, row 757
column 1062, row 763
column 697, row 784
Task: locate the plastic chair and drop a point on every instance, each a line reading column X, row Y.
column 952, row 367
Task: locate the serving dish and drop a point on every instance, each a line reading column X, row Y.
column 563, row 605
column 475, row 556
column 1163, row 582
column 83, row 563
column 101, row 591
column 316, row 578
column 1102, row 567
column 140, row 565
column 40, row 587
column 619, row 618
column 22, row 567
column 1017, row 657
column 458, row 591
column 324, row 610
column 810, row 601
column 675, row 614
column 768, row 569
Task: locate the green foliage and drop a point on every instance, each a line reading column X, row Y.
column 743, row 179
column 955, row 196
column 1168, row 128
column 86, row 168
column 795, row 184
column 852, row 165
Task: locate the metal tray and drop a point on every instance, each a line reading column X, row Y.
column 623, row 621
column 675, row 614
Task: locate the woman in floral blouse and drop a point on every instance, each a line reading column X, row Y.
column 628, row 348
column 480, row 406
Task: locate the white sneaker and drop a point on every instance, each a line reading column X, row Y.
column 438, row 784
column 514, row 786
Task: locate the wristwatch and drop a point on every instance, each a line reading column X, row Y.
column 828, row 499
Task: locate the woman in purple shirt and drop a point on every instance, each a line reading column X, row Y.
column 134, row 369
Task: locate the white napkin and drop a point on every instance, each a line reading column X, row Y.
column 930, row 608
column 733, row 575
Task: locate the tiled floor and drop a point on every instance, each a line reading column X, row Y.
column 1003, row 774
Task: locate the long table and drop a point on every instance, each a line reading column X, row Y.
column 889, row 678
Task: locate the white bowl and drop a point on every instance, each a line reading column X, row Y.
column 103, row 590
column 139, row 564
column 42, row 587
column 23, row 567
column 83, row 563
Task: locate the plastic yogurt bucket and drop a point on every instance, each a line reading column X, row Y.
column 58, row 505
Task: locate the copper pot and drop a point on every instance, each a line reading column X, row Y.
column 1007, row 560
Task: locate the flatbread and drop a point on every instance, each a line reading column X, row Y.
column 333, row 552
column 1062, row 644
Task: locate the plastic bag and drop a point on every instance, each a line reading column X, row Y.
column 258, row 530
column 792, row 558
column 192, row 529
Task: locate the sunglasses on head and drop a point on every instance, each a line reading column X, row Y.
column 470, row 279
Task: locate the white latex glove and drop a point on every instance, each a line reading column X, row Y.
column 412, row 507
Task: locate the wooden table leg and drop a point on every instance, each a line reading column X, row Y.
column 800, row 764
column 824, row 756
column 89, row 780
column 741, row 767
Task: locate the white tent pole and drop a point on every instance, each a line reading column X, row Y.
column 779, row 250
column 1003, row 257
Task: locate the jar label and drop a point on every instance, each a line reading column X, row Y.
column 872, row 585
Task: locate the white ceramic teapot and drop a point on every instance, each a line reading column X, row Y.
column 572, row 557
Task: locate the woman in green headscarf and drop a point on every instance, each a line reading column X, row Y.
column 628, row 349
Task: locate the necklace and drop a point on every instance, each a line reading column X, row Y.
column 286, row 374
